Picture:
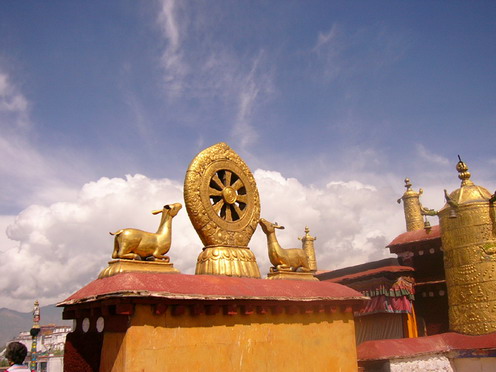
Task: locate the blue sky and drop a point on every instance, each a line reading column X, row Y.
column 316, row 96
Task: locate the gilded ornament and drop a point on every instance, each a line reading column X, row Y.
column 137, row 244
column 282, row 259
column 223, row 205
column 468, row 240
column 307, row 242
column 413, row 209
column 141, row 251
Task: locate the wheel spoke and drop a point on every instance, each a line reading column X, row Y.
column 223, row 183
column 237, row 185
column 227, row 178
column 228, row 213
column 242, row 198
column 214, row 192
column 217, row 181
column 218, row 206
column 238, row 210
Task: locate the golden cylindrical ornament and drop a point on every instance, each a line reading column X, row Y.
column 467, row 224
column 412, row 208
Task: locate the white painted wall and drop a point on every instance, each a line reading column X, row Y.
column 55, row 364
column 430, row 363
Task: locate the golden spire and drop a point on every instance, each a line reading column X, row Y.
column 468, row 191
column 464, row 174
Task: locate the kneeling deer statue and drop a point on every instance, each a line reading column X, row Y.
column 134, row 244
column 291, row 259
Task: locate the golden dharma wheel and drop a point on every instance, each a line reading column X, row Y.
column 228, row 195
column 223, row 204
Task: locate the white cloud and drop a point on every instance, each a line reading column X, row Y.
column 431, row 156
column 172, row 57
column 197, row 65
column 14, row 107
column 58, row 248
column 325, row 38
column 64, row 245
column 250, row 89
column 341, row 52
column 29, row 174
column 329, row 48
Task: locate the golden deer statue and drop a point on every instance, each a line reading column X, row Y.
column 134, row 244
column 291, row 259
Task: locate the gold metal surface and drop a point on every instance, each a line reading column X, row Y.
column 414, row 211
column 125, row 266
column 469, row 242
column 134, row 244
column 223, row 205
column 308, row 246
column 286, row 260
column 291, row 275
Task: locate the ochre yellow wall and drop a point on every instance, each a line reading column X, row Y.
column 257, row 342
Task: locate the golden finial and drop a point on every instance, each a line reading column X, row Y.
column 307, row 235
column 408, row 184
column 464, row 174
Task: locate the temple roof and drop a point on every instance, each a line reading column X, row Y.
column 416, row 236
column 384, row 266
column 410, row 347
column 210, row 287
column 371, row 272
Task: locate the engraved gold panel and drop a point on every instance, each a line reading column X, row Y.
column 223, row 205
column 474, row 292
column 473, row 318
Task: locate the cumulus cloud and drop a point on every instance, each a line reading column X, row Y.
column 62, row 246
column 353, row 222
column 56, row 249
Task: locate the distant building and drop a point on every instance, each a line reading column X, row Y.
column 440, row 287
column 51, row 341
